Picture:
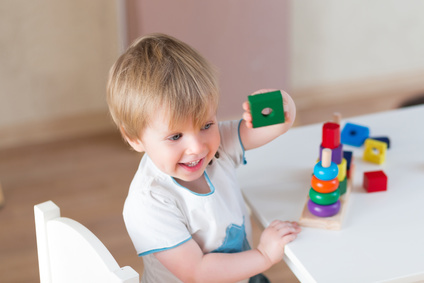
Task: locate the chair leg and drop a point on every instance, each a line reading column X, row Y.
column 2, row 201
column 44, row 212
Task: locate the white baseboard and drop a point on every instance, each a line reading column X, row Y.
column 317, row 104
column 400, row 86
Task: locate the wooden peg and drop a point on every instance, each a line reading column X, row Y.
column 326, row 158
column 337, row 117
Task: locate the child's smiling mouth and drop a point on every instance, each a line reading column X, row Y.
column 193, row 165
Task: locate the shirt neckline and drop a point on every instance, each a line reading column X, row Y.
column 208, row 181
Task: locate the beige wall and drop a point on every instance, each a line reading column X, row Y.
column 352, row 52
column 54, row 57
column 334, row 42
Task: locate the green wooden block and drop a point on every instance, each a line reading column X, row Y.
column 343, row 186
column 266, row 109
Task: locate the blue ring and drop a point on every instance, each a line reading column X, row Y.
column 326, row 173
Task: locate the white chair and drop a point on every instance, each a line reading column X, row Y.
column 69, row 252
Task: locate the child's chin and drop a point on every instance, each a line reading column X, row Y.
column 192, row 178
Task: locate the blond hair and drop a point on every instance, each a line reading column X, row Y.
column 160, row 72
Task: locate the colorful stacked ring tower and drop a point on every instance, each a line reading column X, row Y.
column 324, row 193
column 331, row 182
column 331, row 139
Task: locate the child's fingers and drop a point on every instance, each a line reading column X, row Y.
column 249, row 124
column 287, row 115
column 287, row 239
column 295, row 223
column 284, row 227
column 286, row 102
column 288, row 234
column 275, row 223
column 279, row 224
column 288, row 230
column 246, row 106
column 289, row 107
column 247, row 117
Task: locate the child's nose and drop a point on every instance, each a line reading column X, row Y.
column 196, row 145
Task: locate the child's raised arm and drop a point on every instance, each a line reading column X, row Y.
column 189, row 264
column 256, row 137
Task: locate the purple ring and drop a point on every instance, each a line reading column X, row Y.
column 324, row 210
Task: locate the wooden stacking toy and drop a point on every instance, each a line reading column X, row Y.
column 324, row 193
column 330, row 184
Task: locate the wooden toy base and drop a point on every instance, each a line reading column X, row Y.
column 307, row 219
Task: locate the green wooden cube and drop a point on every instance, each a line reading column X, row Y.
column 266, row 109
column 343, row 186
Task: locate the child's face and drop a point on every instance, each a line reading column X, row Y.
column 183, row 153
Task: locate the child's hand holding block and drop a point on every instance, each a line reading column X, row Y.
column 266, row 109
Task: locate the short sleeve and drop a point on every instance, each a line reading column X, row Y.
column 154, row 223
column 230, row 141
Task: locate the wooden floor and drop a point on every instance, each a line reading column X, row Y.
column 88, row 179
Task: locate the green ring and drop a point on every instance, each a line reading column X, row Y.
column 324, row 199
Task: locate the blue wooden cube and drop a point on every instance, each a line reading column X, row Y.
column 348, row 156
column 354, row 135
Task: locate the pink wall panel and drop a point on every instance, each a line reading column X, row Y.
column 246, row 39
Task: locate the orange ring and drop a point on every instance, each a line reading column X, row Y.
column 324, row 187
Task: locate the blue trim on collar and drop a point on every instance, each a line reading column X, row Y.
column 242, row 147
column 211, row 186
column 163, row 249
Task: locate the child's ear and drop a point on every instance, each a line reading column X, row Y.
column 136, row 144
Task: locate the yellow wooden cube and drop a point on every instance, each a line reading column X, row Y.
column 342, row 170
column 375, row 151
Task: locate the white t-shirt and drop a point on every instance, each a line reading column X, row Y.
column 160, row 214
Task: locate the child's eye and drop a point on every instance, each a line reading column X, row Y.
column 207, row 126
column 175, row 137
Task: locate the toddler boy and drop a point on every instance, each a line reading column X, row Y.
column 185, row 212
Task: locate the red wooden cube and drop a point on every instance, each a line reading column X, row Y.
column 375, row 181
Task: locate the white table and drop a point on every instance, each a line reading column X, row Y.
column 382, row 237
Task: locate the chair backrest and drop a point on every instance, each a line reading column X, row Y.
column 69, row 252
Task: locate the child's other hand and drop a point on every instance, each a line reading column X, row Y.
column 247, row 116
column 275, row 237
